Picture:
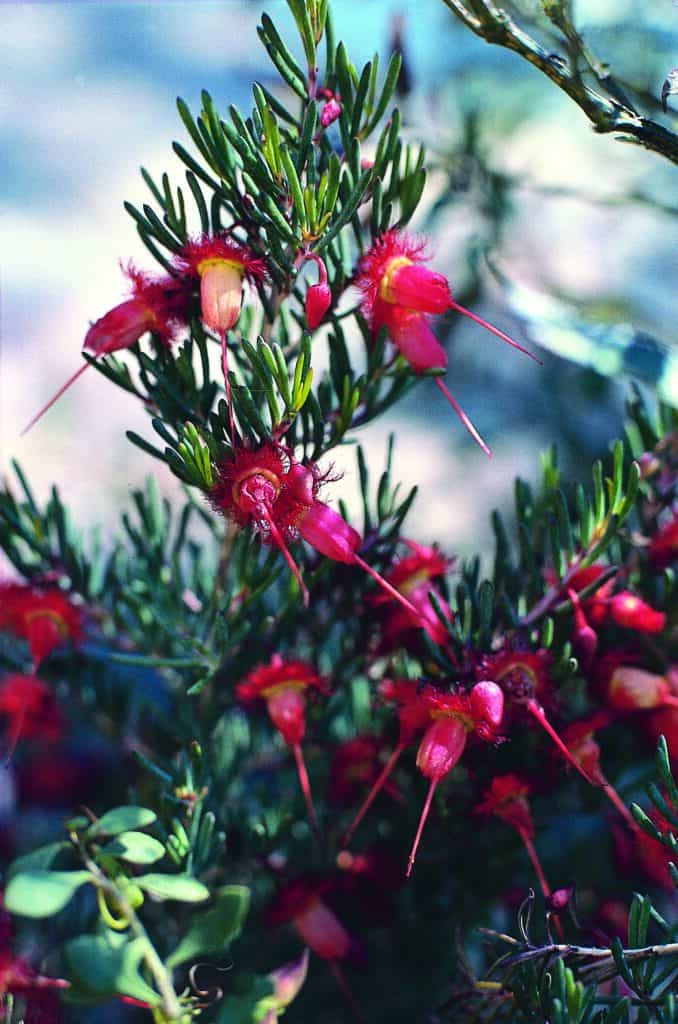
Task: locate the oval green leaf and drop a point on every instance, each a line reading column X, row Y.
column 41, row 893
column 173, row 887
column 122, row 819
column 213, row 931
column 135, row 847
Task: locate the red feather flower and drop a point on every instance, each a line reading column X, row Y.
column 45, row 619
column 159, row 305
column 283, row 685
column 399, row 293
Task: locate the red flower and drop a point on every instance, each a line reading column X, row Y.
column 355, row 765
column 330, row 112
column 267, row 490
column 413, row 576
column 623, row 608
column 221, row 265
column 413, row 717
column 580, row 739
column 507, row 800
column 282, row 685
column 300, row 903
column 318, row 296
column 663, row 550
column 453, row 716
column 43, row 618
column 626, row 687
column 29, row 708
column 524, row 677
column 399, row 293
column 629, row 611
column 158, row 304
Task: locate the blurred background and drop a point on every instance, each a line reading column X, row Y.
column 547, row 229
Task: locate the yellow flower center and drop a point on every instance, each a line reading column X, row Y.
column 386, row 292
column 288, row 684
column 218, row 261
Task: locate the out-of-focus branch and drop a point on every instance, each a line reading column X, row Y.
column 608, row 111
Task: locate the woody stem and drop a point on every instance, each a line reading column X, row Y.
column 306, row 788
column 376, row 789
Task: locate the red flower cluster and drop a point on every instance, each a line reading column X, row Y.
column 400, row 294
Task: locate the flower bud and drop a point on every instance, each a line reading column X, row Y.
column 487, row 707
column 330, row 112
column 318, row 301
column 441, row 747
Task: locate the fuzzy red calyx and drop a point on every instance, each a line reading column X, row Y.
column 45, row 619
column 159, row 305
column 278, row 675
column 520, row 673
column 506, row 799
column 196, row 256
column 663, row 549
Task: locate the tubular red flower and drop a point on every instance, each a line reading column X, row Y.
column 300, row 903
column 399, row 293
column 413, row 577
column 453, row 717
column 221, row 265
column 283, row 685
column 524, row 677
column 330, row 112
column 629, row 611
column 159, row 305
column 45, row 619
column 30, row 709
column 579, row 738
column 507, row 799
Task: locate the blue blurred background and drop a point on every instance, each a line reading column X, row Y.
column 88, row 96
